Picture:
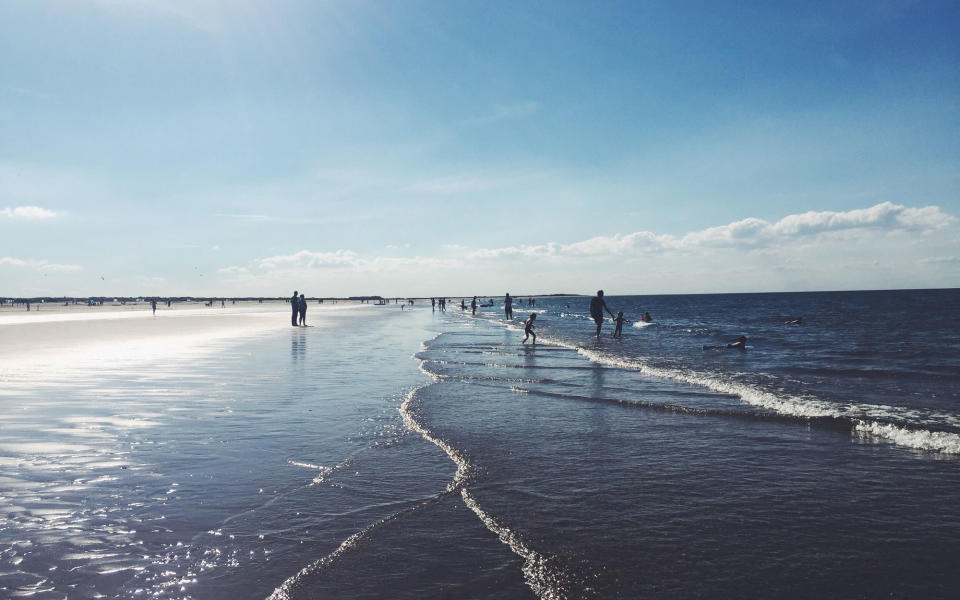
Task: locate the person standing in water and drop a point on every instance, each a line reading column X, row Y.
column 508, row 306
column 528, row 328
column 302, row 309
column 597, row 306
column 295, row 307
column 618, row 330
column 473, row 306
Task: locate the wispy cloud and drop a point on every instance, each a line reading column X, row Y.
column 306, row 259
column 29, row 92
column 504, row 112
column 465, row 184
column 27, row 213
column 39, row 265
column 264, row 218
column 940, row 260
column 232, row 270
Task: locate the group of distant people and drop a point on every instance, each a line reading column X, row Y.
column 598, row 305
column 298, row 307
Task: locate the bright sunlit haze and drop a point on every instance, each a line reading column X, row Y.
column 172, row 147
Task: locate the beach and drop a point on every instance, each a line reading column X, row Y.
column 388, row 453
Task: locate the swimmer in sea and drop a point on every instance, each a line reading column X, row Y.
column 528, row 328
column 740, row 344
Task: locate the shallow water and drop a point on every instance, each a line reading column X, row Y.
column 295, row 465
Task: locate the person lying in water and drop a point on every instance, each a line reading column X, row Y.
column 740, row 344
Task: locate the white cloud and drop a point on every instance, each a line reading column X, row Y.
column 347, row 259
column 232, row 270
column 748, row 233
column 940, row 260
column 39, row 265
column 875, row 247
column 27, row 213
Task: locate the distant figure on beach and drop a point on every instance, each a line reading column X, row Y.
column 740, row 344
column 295, row 307
column 223, row 302
column 153, row 305
column 528, row 328
column 618, row 330
column 473, row 305
column 302, row 308
column 463, row 304
column 433, row 304
column 646, row 318
column 597, row 306
column 508, row 306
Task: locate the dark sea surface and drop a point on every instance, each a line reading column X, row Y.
column 420, row 454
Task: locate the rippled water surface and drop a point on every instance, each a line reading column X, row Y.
column 418, row 454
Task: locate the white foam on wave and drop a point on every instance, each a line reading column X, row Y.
column 864, row 416
column 541, row 579
column 642, row 324
column 921, row 439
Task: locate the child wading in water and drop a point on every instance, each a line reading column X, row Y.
column 528, row 328
column 618, row 331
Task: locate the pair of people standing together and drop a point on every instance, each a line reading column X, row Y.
column 298, row 306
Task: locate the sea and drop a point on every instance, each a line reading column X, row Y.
column 417, row 453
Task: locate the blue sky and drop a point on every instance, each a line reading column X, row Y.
column 425, row 148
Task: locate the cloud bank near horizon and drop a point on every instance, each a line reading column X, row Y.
column 882, row 246
column 811, row 250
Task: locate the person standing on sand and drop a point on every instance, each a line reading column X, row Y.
column 295, row 307
column 303, row 310
column 153, row 305
column 508, row 306
column 597, row 306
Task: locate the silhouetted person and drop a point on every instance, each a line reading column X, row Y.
column 153, row 305
column 508, row 306
column 597, row 306
column 473, row 305
column 295, row 308
column 618, row 330
column 528, row 328
column 302, row 306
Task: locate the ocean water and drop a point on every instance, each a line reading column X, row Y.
column 419, row 454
